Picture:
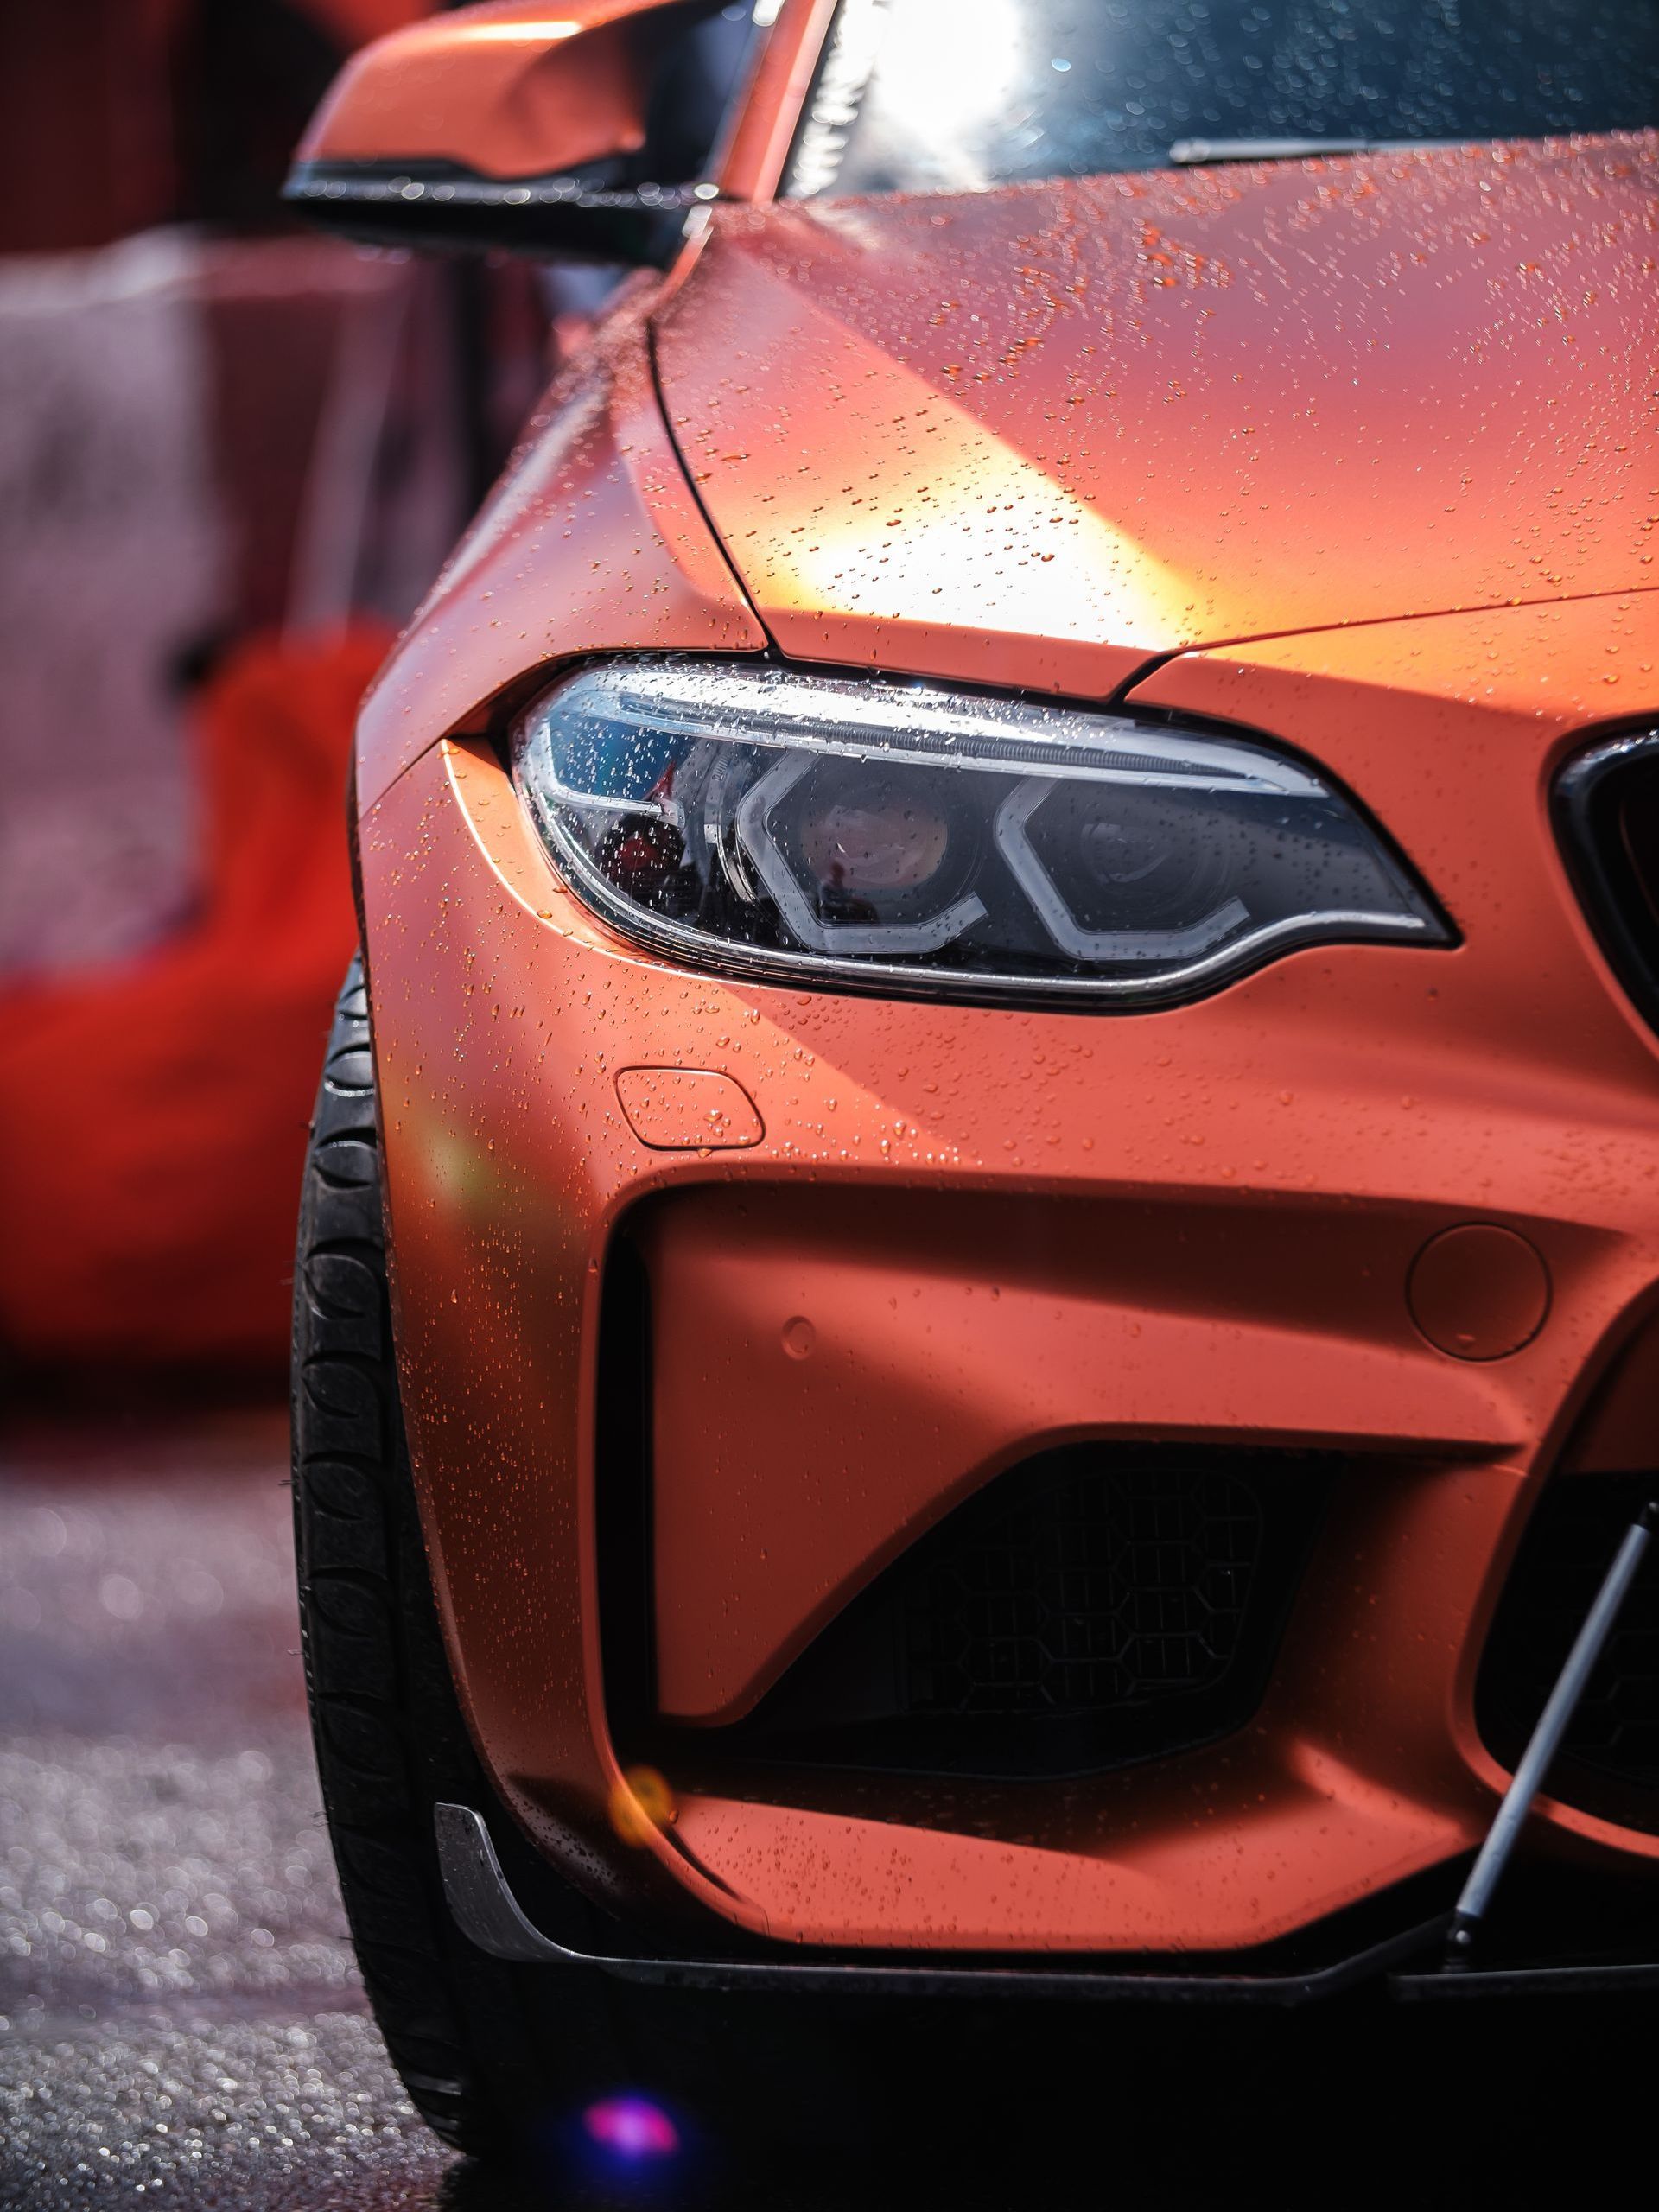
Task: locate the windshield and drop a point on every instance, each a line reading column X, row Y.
column 954, row 95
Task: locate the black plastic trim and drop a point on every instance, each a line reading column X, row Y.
column 581, row 215
column 1587, row 804
column 1572, row 1531
column 1448, row 1983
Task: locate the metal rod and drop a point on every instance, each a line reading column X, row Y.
column 1553, row 1724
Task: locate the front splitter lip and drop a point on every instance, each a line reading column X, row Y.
column 487, row 1913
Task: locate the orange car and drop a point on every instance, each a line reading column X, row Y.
column 996, row 1145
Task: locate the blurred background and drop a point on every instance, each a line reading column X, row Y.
column 233, row 457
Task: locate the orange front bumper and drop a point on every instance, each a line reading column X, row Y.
column 902, row 1245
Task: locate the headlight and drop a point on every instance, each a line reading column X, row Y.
column 892, row 837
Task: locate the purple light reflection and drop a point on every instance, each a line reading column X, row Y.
column 631, row 2128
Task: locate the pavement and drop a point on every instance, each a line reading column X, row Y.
column 182, row 2022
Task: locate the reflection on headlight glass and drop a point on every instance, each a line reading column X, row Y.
column 900, row 837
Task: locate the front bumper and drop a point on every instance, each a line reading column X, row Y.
column 488, row 1914
column 1201, row 1222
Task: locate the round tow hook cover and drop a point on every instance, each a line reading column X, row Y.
column 1478, row 1291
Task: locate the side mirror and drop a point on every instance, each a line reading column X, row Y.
column 517, row 124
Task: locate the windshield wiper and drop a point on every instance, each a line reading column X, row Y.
column 1187, row 153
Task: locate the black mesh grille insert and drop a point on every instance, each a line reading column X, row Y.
column 1093, row 1606
column 1609, row 1764
column 1106, row 1589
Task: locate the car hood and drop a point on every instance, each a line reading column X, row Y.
column 1042, row 433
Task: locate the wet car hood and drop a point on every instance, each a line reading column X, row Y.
column 1141, row 412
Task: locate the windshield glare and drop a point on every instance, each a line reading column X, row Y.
column 955, row 95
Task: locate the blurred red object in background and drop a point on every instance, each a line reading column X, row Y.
column 153, row 1113
column 214, row 434
column 119, row 114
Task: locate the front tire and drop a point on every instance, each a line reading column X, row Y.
column 471, row 2036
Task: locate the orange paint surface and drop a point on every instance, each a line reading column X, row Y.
column 596, row 496
column 1028, row 436
column 495, row 88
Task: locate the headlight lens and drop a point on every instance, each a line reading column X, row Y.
column 895, row 837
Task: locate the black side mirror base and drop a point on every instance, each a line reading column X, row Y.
column 435, row 207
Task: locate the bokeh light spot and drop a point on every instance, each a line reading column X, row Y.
column 641, row 1802
column 631, row 2128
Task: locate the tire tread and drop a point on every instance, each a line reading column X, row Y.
column 386, row 1722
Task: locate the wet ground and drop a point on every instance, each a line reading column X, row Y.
column 183, row 2017
column 181, row 2025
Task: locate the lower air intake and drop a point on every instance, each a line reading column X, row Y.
column 1609, row 1764
column 1093, row 1606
